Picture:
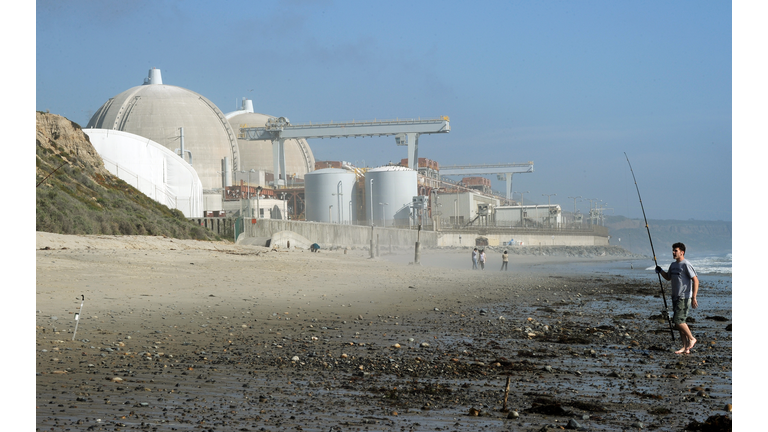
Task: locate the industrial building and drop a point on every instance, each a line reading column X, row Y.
column 180, row 149
column 257, row 155
column 194, row 128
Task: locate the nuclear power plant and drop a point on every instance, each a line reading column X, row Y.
column 180, row 149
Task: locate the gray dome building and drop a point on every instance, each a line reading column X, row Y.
column 257, row 154
column 159, row 112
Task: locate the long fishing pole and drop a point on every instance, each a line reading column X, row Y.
column 664, row 312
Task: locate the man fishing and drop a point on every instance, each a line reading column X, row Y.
column 685, row 287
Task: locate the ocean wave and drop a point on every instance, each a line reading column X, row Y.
column 718, row 264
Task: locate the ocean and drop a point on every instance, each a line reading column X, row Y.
column 715, row 269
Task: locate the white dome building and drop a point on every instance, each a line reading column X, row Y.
column 257, row 154
column 159, row 112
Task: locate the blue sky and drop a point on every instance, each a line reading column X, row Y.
column 570, row 86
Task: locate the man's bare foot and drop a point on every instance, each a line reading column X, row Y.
column 693, row 342
column 681, row 350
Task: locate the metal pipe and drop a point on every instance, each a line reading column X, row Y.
column 372, row 224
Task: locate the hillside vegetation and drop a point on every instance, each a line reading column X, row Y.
column 77, row 195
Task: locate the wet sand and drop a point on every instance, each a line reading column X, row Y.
column 186, row 335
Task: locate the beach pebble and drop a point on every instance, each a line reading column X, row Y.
column 295, row 358
column 424, row 345
column 513, row 415
column 637, row 424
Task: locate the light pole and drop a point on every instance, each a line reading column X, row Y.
column 456, row 212
column 602, row 214
column 590, row 208
column 372, row 224
column 383, row 215
column 574, row 206
column 456, row 204
column 522, row 204
column 339, row 199
column 600, row 219
column 549, row 212
column 350, row 212
column 433, row 208
column 258, row 206
column 249, row 189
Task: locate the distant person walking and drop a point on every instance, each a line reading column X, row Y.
column 504, row 261
column 474, row 259
column 685, row 287
column 482, row 259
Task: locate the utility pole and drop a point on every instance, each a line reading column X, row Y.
column 574, row 206
column 522, row 202
column 549, row 210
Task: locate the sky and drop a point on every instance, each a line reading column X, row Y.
column 570, row 86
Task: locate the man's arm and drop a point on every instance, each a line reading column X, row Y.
column 695, row 302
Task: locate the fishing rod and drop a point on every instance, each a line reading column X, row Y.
column 665, row 311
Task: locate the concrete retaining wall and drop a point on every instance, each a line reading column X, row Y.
column 335, row 235
column 527, row 239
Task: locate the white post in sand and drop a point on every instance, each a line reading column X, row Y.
column 77, row 317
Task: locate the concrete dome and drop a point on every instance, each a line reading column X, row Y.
column 257, row 154
column 157, row 111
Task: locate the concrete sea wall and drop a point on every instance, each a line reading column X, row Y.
column 336, row 235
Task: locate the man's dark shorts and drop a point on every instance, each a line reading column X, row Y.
column 680, row 307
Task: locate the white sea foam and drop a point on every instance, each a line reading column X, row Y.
column 714, row 264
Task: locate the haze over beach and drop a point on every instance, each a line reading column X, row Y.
column 186, row 333
column 569, row 86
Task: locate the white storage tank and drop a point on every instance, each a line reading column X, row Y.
column 329, row 195
column 389, row 191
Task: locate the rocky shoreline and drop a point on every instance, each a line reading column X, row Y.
column 229, row 338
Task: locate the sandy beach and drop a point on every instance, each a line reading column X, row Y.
column 188, row 335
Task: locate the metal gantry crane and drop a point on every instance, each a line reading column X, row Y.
column 406, row 133
column 505, row 170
